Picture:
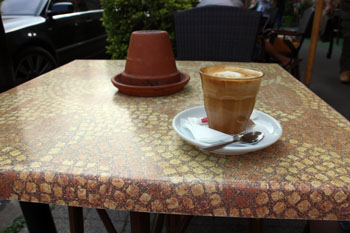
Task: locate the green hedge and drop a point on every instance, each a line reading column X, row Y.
column 122, row 17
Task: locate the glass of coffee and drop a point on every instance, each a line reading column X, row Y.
column 229, row 96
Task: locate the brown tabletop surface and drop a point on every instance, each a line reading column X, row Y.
column 69, row 138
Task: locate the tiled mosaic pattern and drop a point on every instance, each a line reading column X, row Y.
column 70, row 138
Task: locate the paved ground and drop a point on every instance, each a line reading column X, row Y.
column 9, row 210
column 324, row 83
column 325, row 78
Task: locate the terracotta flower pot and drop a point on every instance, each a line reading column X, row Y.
column 150, row 60
column 150, row 68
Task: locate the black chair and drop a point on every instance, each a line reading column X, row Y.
column 216, row 33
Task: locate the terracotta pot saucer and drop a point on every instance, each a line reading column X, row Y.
column 150, row 91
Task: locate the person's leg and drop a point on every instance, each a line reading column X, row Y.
column 279, row 17
column 345, row 61
column 345, row 54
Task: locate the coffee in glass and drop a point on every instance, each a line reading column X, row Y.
column 229, row 96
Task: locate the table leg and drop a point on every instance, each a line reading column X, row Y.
column 140, row 222
column 106, row 221
column 185, row 222
column 157, row 225
column 256, row 225
column 324, row 227
column 76, row 221
column 171, row 223
column 38, row 217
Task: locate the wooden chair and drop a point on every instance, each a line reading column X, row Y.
column 289, row 42
column 216, row 33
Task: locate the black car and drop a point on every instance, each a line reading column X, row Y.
column 42, row 34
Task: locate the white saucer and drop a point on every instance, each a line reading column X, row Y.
column 263, row 122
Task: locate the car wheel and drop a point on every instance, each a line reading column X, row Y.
column 33, row 62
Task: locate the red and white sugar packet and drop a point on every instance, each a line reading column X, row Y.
column 204, row 121
column 198, row 120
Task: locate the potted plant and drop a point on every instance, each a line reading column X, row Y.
column 122, row 17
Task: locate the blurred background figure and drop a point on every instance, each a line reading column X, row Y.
column 280, row 5
column 234, row 3
column 261, row 6
column 345, row 54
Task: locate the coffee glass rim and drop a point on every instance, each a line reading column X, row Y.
column 249, row 78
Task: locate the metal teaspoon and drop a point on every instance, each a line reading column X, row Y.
column 248, row 138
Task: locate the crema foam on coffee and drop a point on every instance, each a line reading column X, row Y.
column 234, row 73
column 228, row 74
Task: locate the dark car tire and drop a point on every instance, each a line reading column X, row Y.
column 32, row 62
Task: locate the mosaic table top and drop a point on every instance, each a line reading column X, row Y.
column 69, row 138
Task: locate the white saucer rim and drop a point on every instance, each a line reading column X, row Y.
column 230, row 149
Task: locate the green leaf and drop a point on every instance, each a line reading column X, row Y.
column 122, row 17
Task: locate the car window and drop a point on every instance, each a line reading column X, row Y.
column 20, row 7
column 79, row 5
column 83, row 5
column 93, row 4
